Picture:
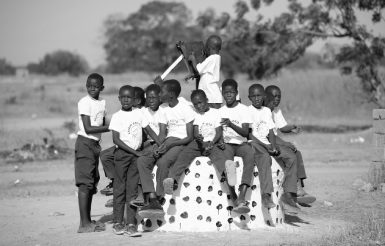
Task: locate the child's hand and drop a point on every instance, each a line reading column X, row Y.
column 226, row 122
column 180, row 45
column 188, row 77
column 158, row 80
column 221, row 145
column 296, row 129
column 199, row 138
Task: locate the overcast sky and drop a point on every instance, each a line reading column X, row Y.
column 31, row 28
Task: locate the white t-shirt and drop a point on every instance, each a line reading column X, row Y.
column 153, row 118
column 176, row 119
column 262, row 123
column 96, row 110
column 278, row 119
column 207, row 123
column 181, row 100
column 209, row 71
column 129, row 124
column 238, row 115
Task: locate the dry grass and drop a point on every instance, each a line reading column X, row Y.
column 309, row 97
column 370, row 230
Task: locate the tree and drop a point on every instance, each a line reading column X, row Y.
column 145, row 40
column 263, row 47
column 6, row 68
column 59, row 62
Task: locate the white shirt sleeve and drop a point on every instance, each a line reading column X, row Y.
column 246, row 115
column 162, row 116
column 279, row 119
column 207, row 66
column 269, row 120
column 114, row 123
column 217, row 122
column 84, row 107
column 145, row 121
column 189, row 114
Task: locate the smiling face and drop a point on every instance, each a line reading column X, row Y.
column 200, row 103
column 94, row 87
column 153, row 100
column 229, row 93
column 256, row 96
column 127, row 99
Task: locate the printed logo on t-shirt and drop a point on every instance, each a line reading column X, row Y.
column 260, row 129
column 207, row 130
column 99, row 116
column 134, row 130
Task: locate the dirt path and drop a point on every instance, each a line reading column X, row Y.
column 26, row 211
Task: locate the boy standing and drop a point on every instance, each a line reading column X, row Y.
column 92, row 112
column 177, row 121
column 127, row 126
column 264, row 144
column 235, row 122
column 274, row 98
column 207, row 133
column 209, row 70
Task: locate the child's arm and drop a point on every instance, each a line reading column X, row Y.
column 243, row 131
column 198, row 137
column 158, row 81
column 218, row 134
column 272, row 140
column 148, row 130
column 117, row 141
column 169, row 144
column 162, row 132
column 93, row 129
column 290, row 129
column 288, row 144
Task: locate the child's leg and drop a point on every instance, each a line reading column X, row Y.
column 107, row 159
column 145, row 166
column 288, row 162
column 247, row 153
column 164, row 164
column 263, row 161
column 132, row 179
column 301, row 173
column 122, row 164
column 219, row 159
column 86, row 177
column 186, row 156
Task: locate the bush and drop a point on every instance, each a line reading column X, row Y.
column 6, row 68
column 59, row 62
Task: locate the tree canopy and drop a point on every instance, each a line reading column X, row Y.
column 259, row 47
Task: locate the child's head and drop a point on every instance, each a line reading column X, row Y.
column 127, row 97
column 256, row 95
column 229, row 91
column 213, row 45
column 94, row 85
column 200, row 101
column 152, row 97
column 274, row 94
column 140, row 100
column 170, row 90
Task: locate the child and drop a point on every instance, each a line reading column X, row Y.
column 126, row 126
column 177, row 120
column 207, row 133
column 92, row 112
column 209, row 69
column 274, row 99
column 264, row 144
column 107, row 156
column 235, row 122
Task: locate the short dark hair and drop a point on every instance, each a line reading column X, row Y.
column 173, row 85
column 153, row 87
column 270, row 88
column 230, row 82
column 126, row 87
column 199, row 92
column 256, row 86
column 95, row 76
column 139, row 93
column 215, row 42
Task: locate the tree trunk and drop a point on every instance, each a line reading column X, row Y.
column 377, row 167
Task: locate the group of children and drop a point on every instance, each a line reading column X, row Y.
column 157, row 127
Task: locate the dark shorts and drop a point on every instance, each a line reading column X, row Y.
column 87, row 153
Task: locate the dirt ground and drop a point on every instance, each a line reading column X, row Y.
column 38, row 204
